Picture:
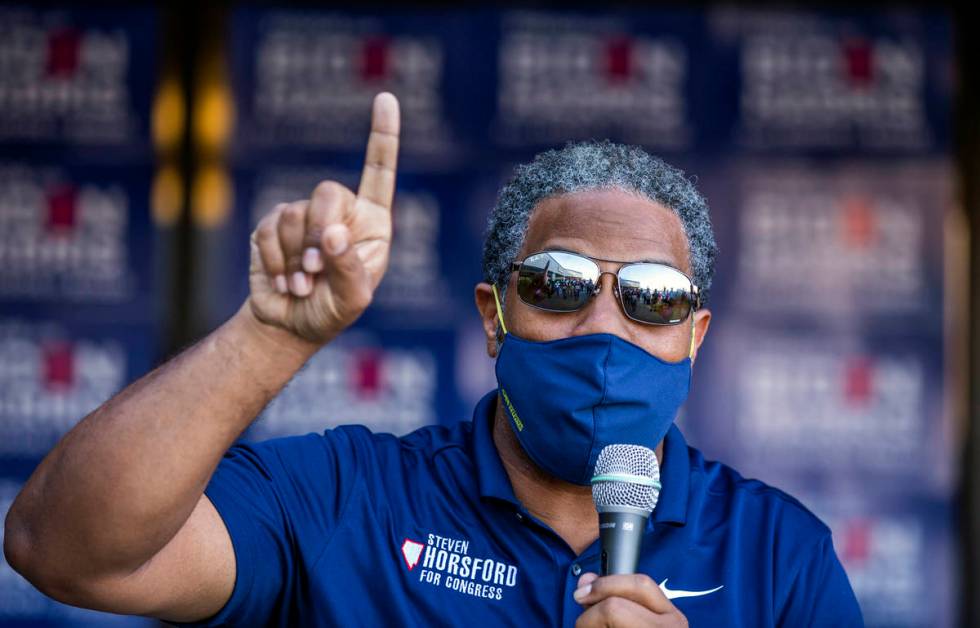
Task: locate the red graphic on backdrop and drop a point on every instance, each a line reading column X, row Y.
column 367, row 374
column 859, row 222
column 858, row 58
column 374, row 59
column 858, row 381
column 619, row 59
column 63, row 48
column 61, row 208
column 59, row 366
column 856, row 541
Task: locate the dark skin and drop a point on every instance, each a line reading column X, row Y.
column 616, row 225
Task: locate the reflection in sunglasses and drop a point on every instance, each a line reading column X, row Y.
column 563, row 282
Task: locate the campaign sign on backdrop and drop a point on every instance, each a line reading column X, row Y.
column 833, row 82
column 304, row 80
column 53, row 372
column 895, row 553
column 389, row 381
column 624, row 76
column 808, row 407
column 844, row 244
column 76, row 235
column 74, row 79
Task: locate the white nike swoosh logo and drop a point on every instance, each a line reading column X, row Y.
column 673, row 594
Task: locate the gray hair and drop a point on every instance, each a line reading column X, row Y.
column 590, row 165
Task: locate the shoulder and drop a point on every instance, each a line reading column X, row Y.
column 777, row 535
column 725, row 491
column 381, row 457
column 348, row 447
column 327, row 469
column 426, row 452
column 345, row 440
column 425, row 442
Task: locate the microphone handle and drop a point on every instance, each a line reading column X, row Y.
column 620, row 535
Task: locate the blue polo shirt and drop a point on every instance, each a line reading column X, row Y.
column 351, row 528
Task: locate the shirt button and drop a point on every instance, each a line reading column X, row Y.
column 576, row 569
column 520, row 517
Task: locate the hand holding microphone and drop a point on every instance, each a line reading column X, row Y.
column 625, row 489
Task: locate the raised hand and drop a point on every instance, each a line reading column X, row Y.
column 316, row 263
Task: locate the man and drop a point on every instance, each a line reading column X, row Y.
column 490, row 522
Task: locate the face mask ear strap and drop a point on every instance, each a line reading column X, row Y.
column 690, row 353
column 500, row 312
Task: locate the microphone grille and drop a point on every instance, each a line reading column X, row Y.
column 626, row 475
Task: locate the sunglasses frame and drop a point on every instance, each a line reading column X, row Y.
column 694, row 292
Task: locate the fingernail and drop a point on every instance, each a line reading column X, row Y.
column 582, row 592
column 281, row 286
column 311, row 260
column 335, row 240
column 300, row 285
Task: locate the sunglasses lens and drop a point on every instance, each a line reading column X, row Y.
column 656, row 294
column 556, row 281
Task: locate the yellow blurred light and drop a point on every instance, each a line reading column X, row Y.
column 168, row 115
column 166, row 196
column 214, row 116
column 211, row 196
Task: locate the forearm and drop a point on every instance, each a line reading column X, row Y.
column 123, row 481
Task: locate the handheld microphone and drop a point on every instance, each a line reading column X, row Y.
column 625, row 489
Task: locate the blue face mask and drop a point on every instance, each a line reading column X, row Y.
column 569, row 398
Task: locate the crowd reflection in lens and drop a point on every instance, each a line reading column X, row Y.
column 668, row 304
column 549, row 289
column 564, row 282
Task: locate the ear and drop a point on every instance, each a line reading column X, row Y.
column 487, row 308
column 702, row 320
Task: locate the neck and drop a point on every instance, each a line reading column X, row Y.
column 566, row 508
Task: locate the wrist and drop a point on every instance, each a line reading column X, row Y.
column 271, row 339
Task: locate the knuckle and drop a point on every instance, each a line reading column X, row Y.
column 327, row 190
column 641, row 581
column 293, row 213
column 265, row 232
column 271, row 218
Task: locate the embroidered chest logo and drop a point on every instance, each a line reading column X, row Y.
column 673, row 594
column 446, row 562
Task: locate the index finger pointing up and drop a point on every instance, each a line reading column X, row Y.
column 378, row 177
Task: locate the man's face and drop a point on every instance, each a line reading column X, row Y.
column 610, row 224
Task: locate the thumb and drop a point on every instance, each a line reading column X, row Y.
column 344, row 272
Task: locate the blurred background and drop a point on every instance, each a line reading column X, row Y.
column 838, row 148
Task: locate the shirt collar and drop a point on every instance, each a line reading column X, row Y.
column 494, row 482
column 675, row 474
column 491, row 475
